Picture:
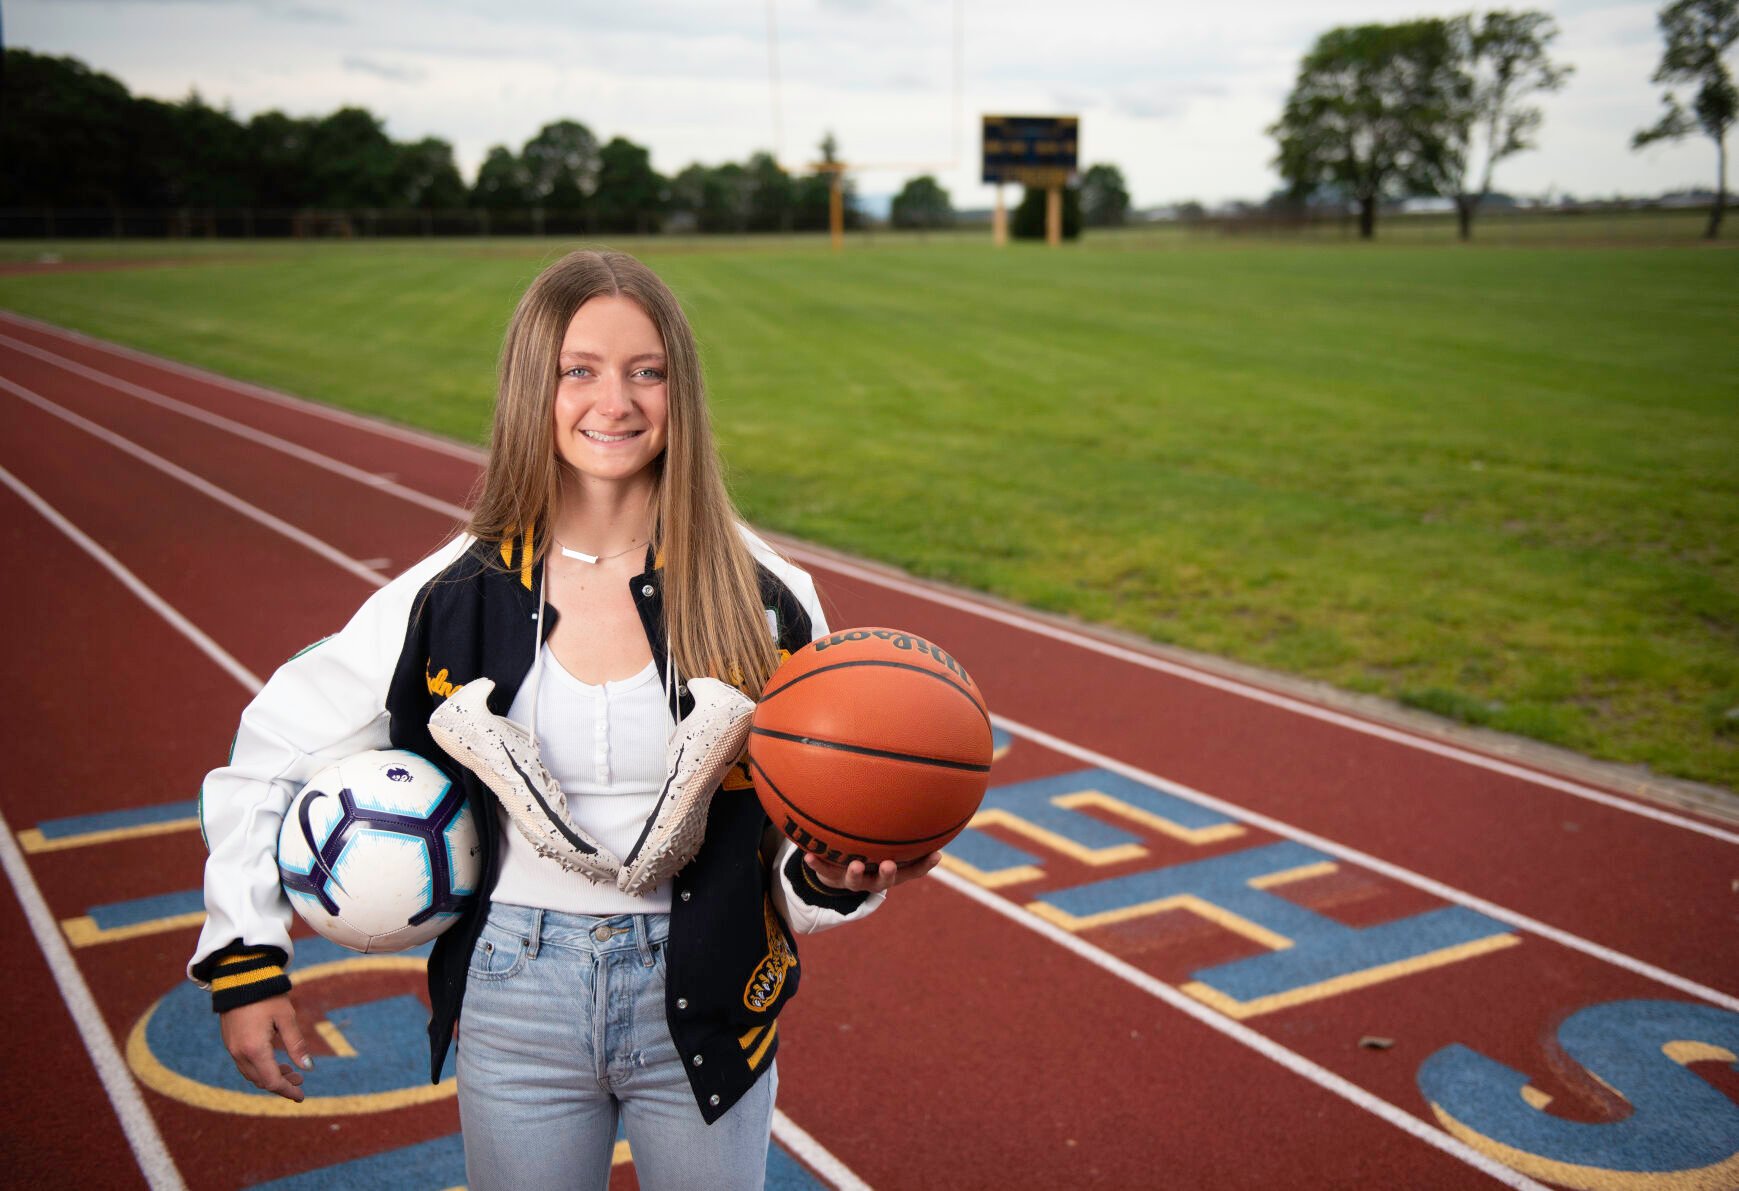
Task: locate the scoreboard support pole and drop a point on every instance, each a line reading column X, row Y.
column 1053, row 215
column 999, row 220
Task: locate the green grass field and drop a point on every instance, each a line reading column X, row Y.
column 1499, row 484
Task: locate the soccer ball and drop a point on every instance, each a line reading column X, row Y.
column 379, row 852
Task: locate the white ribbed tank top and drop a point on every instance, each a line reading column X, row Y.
column 604, row 745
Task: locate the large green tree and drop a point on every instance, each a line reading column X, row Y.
column 561, row 166
column 501, row 183
column 1698, row 35
column 350, row 160
column 66, row 138
column 424, row 175
column 922, row 202
column 278, row 153
column 1504, row 56
column 1371, row 114
column 772, row 195
column 718, row 196
column 198, row 156
column 1104, row 197
column 631, row 194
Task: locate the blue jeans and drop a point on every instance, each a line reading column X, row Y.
column 563, row 1032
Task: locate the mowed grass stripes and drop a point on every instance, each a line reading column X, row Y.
column 1500, row 484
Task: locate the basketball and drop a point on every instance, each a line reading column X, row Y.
column 870, row 744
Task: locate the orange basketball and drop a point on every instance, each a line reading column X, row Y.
column 870, row 744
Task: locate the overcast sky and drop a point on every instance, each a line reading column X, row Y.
column 1177, row 95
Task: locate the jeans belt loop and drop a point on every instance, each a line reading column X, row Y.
column 536, row 934
column 643, row 939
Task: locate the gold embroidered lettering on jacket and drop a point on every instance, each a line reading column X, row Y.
column 438, row 684
column 768, row 980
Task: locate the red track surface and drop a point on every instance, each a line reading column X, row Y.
column 945, row 1042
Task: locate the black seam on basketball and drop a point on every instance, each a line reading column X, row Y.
column 863, row 839
column 924, row 670
column 861, row 750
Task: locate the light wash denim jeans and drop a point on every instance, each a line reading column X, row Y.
column 563, row 1029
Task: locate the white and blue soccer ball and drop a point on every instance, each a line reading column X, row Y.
column 380, row 851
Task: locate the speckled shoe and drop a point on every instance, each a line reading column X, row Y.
column 707, row 743
column 505, row 758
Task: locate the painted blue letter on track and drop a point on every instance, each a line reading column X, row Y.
column 1679, row 1124
column 1050, row 812
column 1313, row 950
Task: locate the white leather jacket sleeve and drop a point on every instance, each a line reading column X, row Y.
column 323, row 705
column 799, row 915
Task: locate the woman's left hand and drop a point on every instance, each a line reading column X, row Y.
column 855, row 878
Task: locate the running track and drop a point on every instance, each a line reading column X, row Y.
column 1203, row 933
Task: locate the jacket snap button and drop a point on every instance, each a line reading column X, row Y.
column 713, row 1099
column 699, row 1059
column 646, row 590
column 685, row 895
column 682, row 1002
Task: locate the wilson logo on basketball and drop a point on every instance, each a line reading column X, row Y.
column 898, row 640
column 763, row 989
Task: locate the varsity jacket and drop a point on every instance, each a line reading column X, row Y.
column 471, row 610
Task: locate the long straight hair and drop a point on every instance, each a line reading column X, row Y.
column 712, row 605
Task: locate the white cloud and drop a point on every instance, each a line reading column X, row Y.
column 384, row 70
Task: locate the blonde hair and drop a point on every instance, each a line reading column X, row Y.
column 712, row 604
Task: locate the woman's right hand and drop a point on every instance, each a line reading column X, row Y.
column 248, row 1034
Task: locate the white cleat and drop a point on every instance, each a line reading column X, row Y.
column 505, row 758
column 707, row 743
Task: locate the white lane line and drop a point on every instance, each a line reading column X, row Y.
column 404, row 434
column 240, row 430
column 1257, row 694
column 1395, row 872
column 1238, row 1032
column 819, row 1159
column 203, row 486
column 132, row 582
column 136, row 1123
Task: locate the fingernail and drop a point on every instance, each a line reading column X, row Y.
column 307, row 1063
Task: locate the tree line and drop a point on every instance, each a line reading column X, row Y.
column 1432, row 106
column 74, row 137
column 1378, row 112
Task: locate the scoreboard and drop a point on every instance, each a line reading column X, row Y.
column 1034, row 150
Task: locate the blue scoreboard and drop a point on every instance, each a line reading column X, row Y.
column 1034, row 150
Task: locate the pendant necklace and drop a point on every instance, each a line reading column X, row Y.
column 593, row 559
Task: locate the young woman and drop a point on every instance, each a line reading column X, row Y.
column 634, row 943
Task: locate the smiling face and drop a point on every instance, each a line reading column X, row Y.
column 612, row 406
